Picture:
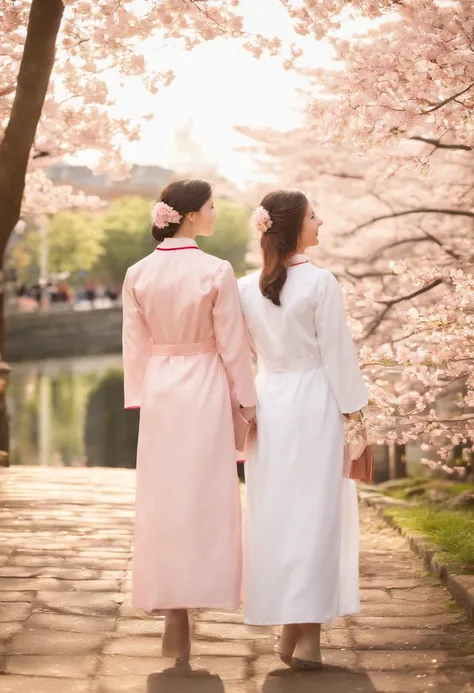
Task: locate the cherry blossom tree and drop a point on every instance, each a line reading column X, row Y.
column 43, row 198
column 409, row 74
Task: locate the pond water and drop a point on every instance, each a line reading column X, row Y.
column 69, row 412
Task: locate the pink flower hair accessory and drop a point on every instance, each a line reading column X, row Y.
column 261, row 219
column 163, row 215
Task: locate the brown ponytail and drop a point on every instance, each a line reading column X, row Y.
column 184, row 196
column 287, row 209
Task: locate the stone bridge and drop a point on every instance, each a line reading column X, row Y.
column 34, row 336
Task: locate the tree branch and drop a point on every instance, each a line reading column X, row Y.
column 40, row 155
column 439, row 145
column 366, row 275
column 341, row 175
column 427, row 238
column 451, row 253
column 389, row 305
column 420, row 210
column 7, row 90
column 376, row 322
column 446, row 101
column 395, row 244
column 414, row 294
column 206, row 14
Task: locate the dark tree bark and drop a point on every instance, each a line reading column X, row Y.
column 32, row 84
column 397, row 461
column 382, row 465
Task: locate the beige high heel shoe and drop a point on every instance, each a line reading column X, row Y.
column 307, row 653
column 176, row 641
column 287, row 643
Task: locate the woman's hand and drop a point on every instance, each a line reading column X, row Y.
column 355, row 416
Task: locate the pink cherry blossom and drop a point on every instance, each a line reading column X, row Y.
column 163, row 215
column 261, row 220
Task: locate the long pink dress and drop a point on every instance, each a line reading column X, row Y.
column 187, row 363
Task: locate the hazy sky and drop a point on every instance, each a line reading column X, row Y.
column 219, row 86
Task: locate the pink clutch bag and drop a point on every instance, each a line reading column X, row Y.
column 241, row 431
column 359, row 459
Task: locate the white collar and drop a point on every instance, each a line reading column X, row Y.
column 297, row 259
column 177, row 243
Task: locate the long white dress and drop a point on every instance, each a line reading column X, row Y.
column 301, row 547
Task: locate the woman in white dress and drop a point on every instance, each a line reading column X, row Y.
column 302, row 521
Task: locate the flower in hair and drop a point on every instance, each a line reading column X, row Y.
column 261, row 219
column 163, row 215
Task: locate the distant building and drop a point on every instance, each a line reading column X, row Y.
column 187, row 154
column 146, row 181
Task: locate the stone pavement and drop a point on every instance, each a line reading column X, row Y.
column 67, row 626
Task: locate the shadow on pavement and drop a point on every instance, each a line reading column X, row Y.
column 327, row 680
column 182, row 679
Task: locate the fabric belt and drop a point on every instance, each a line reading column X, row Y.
column 185, row 349
column 307, row 363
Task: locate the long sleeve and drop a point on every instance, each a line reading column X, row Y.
column 337, row 347
column 136, row 347
column 232, row 338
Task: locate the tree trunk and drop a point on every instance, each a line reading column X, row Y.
column 32, row 84
column 397, row 461
column 4, row 373
column 382, row 466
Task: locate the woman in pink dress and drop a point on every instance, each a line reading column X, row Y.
column 187, row 366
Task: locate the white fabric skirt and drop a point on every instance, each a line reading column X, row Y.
column 302, row 534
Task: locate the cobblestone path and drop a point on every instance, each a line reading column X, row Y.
column 67, row 626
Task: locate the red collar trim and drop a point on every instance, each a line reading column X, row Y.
column 180, row 247
column 303, row 262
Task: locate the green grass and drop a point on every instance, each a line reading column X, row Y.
column 399, row 488
column 455, row 488
column 450, row 530
column 417, row 489
column 401, row 493
column 451, row 604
